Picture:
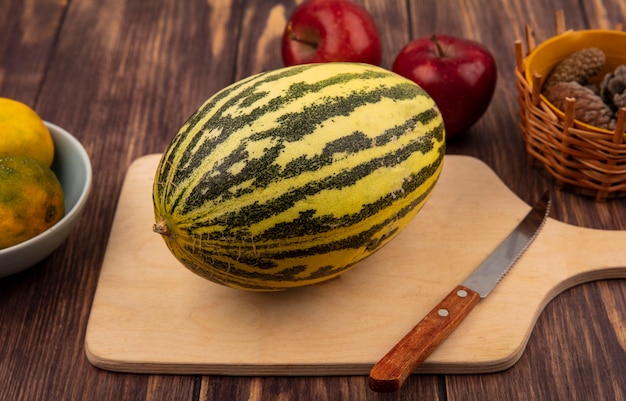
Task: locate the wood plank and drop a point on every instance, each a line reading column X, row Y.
column 263, row 24
column 259, row 46
column 150, row 315
column 258, row 55
column 122, row 78
column 564, row 356
column 28, row 32
column 561, row 350
column 347, row 388
column 393, row 26
column 124, row 100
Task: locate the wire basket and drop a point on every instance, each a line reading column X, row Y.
column 580, row 158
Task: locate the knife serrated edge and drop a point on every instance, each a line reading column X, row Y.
column 491, row 271
column 390, row 372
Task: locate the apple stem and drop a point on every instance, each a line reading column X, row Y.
column 295, row 38
column 306, row 42
column 440, row 52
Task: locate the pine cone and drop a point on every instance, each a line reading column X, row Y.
column 578, row 67
column 619, row 101
column 613, row 88
column 589, row 107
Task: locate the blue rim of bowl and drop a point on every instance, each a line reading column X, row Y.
column 81, row 199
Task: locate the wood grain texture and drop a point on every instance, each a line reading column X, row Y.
column 558, row 374
column 122, row 78
column 391, row 371
column 122, row 75
column 570, row 349
column 315, row 388
column 28, row 37
column 150, row 315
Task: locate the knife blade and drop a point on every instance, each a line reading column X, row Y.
column 390, row 372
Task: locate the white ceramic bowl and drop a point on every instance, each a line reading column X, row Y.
column 72, row 166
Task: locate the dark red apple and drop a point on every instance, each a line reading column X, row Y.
column 459, row 74
column 321, row 31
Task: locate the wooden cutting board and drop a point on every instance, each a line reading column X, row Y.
column 151, row 315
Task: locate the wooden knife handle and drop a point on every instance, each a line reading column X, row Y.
column 392, row 370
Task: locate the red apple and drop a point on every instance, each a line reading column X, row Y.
column 321, row 31
column 459, row 74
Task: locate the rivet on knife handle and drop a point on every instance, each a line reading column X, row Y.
column 392, row 370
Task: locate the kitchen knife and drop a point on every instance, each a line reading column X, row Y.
column 392, row 370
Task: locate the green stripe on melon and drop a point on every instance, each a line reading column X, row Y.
column 290, row 177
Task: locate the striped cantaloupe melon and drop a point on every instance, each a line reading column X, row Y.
column 291, row 177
